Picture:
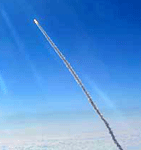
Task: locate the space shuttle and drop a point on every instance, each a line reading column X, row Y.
column 35, row 21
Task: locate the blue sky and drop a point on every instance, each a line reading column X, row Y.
column 101, row 40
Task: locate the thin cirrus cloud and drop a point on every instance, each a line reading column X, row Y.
column 21, row 47
column 3, row 85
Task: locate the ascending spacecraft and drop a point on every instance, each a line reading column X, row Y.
column 35, row 21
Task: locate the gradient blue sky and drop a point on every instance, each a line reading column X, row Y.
column 101, row 39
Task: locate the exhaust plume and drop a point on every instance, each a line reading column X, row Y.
column 67, row 64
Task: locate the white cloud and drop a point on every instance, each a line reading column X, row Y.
column 128, row 134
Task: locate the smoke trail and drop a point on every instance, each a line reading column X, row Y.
column 80, row 84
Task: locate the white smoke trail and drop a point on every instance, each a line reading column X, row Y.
column 80, row 84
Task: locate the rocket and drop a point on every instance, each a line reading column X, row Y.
column 35, row 21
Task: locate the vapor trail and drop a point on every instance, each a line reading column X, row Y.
column 80, row 84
